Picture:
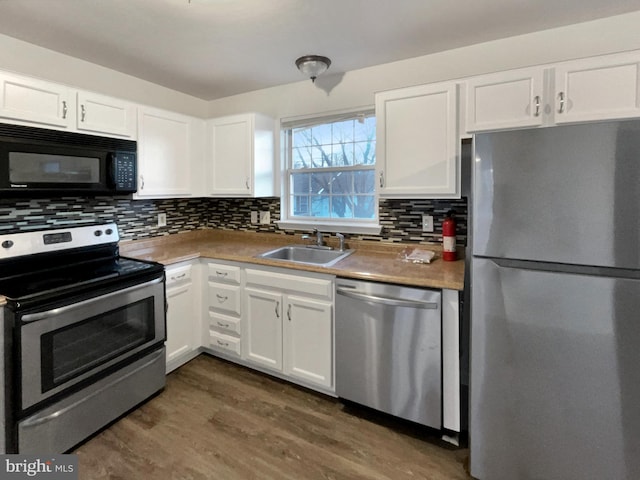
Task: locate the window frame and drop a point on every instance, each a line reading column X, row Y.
column 325, row 224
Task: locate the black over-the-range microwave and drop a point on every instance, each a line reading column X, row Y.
column 38, row 161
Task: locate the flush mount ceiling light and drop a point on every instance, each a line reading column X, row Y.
column 313, row 65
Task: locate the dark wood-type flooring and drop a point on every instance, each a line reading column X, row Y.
column 217, row 420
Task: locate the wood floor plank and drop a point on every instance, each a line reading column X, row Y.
column 217, row 420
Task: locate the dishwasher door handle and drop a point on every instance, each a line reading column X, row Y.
column 394, row 302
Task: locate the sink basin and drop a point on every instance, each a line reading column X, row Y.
column 306, row 254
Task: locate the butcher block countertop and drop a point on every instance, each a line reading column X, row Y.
column 376, row 261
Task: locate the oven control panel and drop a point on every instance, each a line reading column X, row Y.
column 29, row 243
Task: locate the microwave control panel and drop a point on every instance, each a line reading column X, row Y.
column 124, row 171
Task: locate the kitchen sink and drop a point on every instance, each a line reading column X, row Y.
column 307, row 254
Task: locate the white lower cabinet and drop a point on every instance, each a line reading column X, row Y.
column 308, row 340
column 263, row 334
column 183, row 314
column 289, row 325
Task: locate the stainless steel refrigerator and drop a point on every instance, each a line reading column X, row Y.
column 555, row 328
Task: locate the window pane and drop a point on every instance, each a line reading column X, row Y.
column 365, row 153
column 321, row 134
column 321, row 157
column 301, row 157
column 321, row 182
column 319, row 205
column 342, row 183
column 363, row 181
column 343, row 132
column 364, row 206
column 300, row 205
column 343, row 154
column 342, row 206
column 300, row 183
column 365, row 130
column 301, row 137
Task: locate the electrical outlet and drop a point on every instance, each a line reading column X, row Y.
column 265, row 217
column 162, row 219
column 427, row 223
column 254, row 217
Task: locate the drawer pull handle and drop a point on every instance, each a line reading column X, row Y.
column 223, row 344
column 178, row 277
column 83, row 113
column 289, row 312
column 222, row 274
column 537, row 102
column 64, row 110
column 221, row 298
column 225, row 325
column 277, row 309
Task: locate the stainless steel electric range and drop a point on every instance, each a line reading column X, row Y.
column 83, row 335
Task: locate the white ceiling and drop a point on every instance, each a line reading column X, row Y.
column 216, row 48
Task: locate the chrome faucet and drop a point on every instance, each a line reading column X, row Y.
column 340, row 237
column 319, row 243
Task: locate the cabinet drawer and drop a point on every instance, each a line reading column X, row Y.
column 291, row 283
column 225, row 343
column 178, row 275
column 224, row 323
column 224, row 273
column 224, row 298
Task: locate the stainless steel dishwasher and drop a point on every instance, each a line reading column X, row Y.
column 388, row 349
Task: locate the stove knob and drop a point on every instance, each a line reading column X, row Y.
column 97, row 233
column 7, row 244
column 108, row 231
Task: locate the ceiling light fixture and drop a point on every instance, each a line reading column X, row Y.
column 313, row 65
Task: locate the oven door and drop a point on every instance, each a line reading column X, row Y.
column 69, row 344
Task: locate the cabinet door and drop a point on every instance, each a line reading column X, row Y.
column 308, row 340
column 417, row 142
column 182, row 314
column 35, row 101
column 504, row 100
column 111, row 116
column 164, row 156
column 263, row 333
column 231, row 151
column 600, row 88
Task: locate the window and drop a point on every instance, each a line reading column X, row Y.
column 330, row 175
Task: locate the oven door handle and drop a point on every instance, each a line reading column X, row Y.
column 33, row 317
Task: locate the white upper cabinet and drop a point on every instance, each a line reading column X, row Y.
column 600, row 88
column 417, row 144
column 593, row 89
column 32, row 101
column 164, row 154
column 511, row 99
column 240, row 160
column 105, row 115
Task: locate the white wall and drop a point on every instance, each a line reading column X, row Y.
column 28, row 59
column 356, row 88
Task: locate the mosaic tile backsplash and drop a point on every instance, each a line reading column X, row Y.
column 401, row 219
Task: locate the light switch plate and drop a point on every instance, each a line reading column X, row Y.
column 162, row 219
column 265, row 217
column 427, row 223
column 254, row 217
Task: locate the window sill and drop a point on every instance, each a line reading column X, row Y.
column 362, row 229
